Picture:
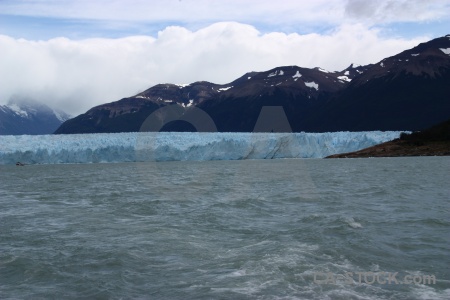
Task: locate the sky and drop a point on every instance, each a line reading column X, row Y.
column 73, row 55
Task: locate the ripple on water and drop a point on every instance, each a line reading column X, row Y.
column 253, row 229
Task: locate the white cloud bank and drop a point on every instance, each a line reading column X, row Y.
column 77, row 75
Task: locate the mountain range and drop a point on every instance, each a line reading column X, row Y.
column 26, row 116
column 408, row 91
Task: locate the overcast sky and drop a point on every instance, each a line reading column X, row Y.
column 74, row 55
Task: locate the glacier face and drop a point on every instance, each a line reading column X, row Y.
column 165, row 146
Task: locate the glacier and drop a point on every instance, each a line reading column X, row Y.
column 168, row 146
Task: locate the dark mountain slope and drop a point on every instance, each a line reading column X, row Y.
column 125, row 115
column 298, row 90
column 408, row 91
column 128, row 114
column 233, row 107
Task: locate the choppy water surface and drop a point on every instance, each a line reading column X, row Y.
column 266, row 229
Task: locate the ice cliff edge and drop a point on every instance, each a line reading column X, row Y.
column 167, row 146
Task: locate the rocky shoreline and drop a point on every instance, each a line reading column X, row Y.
column 397, row 148
column 434, row 141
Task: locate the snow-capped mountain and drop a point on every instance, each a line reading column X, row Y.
column 408, row 91
column 24, row 116
column 300, row 91
column 241, row 99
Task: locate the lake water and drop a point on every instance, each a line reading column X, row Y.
column 255, row 229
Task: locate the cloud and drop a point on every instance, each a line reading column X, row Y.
column 389, row 11
column 249, row 11
column 75, row 75
column 184, row 11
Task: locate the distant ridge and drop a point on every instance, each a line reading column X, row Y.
column 25, row 116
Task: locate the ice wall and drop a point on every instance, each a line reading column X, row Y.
column 164, row 146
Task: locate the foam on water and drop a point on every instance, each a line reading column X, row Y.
column 170, row 146
column 352, row 223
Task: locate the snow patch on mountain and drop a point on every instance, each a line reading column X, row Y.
column 225, row 88
column 312, row 85
column 62, row 116
column 191, row 102
column 344, row 78
column 276, row 73
column 297, row 75
column 446, row 51
column 18, row 110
